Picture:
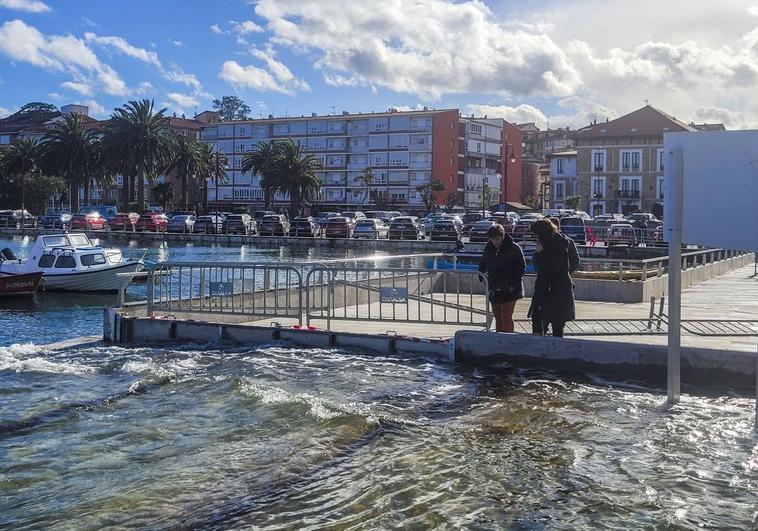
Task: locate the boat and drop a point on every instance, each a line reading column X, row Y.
column 20, row 285
column 70, row 262
column 461, row 260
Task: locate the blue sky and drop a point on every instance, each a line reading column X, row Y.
column 562, row 63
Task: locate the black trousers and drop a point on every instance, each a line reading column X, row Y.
column 541, row 327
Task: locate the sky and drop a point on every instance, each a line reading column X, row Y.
column 556, row 63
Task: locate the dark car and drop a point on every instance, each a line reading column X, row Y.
column 575, row 228
column 210, row 224
column 152, row 222
column 304, row 226
column 406, row 228
column 181, row 223
column 124, row 221
column 322, row 218
column 56, row 220
column 260, row 214
column 17, row 219
column 478, row 232
column 522, row 230
column 274, row 225
column 472, row 217
column 445, row 230
column 341, row 227
column 240, row 224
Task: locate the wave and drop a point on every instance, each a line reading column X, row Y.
column 25, row 358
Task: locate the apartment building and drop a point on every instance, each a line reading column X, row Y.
column 403, row 150
column 563, row 177
column 620, row 162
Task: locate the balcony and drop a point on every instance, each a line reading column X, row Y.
column 633, row 169
column 598, row 195
column 599, row 169
column 628, row 194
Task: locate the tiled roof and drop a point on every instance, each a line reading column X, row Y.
column 18, row 122
column 185, row 123
column 647, row 121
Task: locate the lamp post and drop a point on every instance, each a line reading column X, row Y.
column 219, row 165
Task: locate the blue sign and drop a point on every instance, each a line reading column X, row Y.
column 221, row 288
column 393, row 295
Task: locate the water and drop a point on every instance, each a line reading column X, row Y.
column 276, row 437
column 54, row 316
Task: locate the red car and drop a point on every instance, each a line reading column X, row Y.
column 341, row 227
column 89, row 221
column 152, row 221
column 124, row 221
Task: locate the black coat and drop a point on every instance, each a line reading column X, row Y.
column 553, row 289
column 504, row 268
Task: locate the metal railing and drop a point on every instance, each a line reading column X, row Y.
column 455, row 297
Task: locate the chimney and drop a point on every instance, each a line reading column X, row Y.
column 344, row 113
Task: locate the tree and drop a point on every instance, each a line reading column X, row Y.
column 163, row 193
column 136, row 144
column 186, row 159
column 262, row 161
column 18, row 161
column 452, row 200
column 429, row 193
column 40, row 188
column 71, row 151
column 37, row 106
column 231, row 108
column 365, row 179
column 573, row 202
column 297, row 172
column 530, row 201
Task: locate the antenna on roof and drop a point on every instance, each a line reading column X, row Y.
column 647, row 102
column 334, row 109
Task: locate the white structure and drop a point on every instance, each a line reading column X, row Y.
column 483, row 146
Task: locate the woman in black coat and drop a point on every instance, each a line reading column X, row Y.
column 503, row 263
column 553, row 299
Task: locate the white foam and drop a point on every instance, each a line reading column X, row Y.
column 17, row 358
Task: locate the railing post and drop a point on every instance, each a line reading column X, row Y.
column 150, row 291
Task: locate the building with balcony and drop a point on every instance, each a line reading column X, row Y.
column 403, row 150
column 619, row 163
column 563, row 178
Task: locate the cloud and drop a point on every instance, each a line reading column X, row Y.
column 58, row 53
column 246, row 26
column 460, row 49
column 145, row 88
column 82, row 88
column 215, row 29
column 120, row 44
column 273, row 77
column 30, row 6
column 183, row 100
column 95, row 109
column 580, row 113
column 177, row 43
column 89, row 23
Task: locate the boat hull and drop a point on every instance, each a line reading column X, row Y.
column 20, row 285
column 105, row 279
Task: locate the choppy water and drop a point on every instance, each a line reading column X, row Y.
column 276, row 437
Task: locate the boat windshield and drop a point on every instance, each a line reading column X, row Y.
column 56, row 241
column 79, row 240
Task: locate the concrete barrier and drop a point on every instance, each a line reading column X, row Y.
column 628, row 360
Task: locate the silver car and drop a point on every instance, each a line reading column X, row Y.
column 371, row 228
column 181, row 223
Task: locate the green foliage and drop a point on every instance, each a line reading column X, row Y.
column 39, row 188
column 530, row 201
column 37, row 106
column 231, row 108
column 429, row 193
column 163, row 193
column 190, row 160
column 453, row 199
column 573, row 202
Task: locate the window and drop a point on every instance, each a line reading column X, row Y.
column 635, row 161
column 92, row 259
column 599, row 161
column 475, row 129
column 478, row 147
column 559, row 166
column 65, row 262
column 598, row 188
column 625, row 160
column 56, row 241
column 559, row 190
column 46, row 260
column 660, row 160
column 660, row 184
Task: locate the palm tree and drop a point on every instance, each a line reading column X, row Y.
column 19, row 160
column 206, row 170
column 186, row 160
column 136, row 144
column 70, row 151
column 297, row 174
column 163, row 193
column 262, row 160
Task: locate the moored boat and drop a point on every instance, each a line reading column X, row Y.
column 20, row 285
column 70, row 262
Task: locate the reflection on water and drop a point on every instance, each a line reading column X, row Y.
column 58, row 316
column 276, row 437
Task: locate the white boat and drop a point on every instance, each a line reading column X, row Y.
column 70, row 262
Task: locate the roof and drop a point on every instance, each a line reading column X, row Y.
column 566, row 153
column 343, row 116
column 709, row 127
column 647, row 121
column 17, row 122
column 185, row 123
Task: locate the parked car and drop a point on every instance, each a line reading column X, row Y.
column 478, row 232
column 322, row 218
column 470, row 218
column 17, row 219
column 173, row 213
column 606, row 220
column 373, row 229
column 92, row 220
column 56, row 220
column 582, row 214
column 153, row 222
column 621, row 234
column 353, row 215
column 106, row 211
column 522, row 230
column 445, row 230
column 208, row 224
column 260, row 214
column 406, row 228
column 304, row 226
column 558, row 212
column 274, row 225
column 341, row 227
column 240, row 224
column 575, row 228
column 181, row 223
column 385, row 215
column 124, row 221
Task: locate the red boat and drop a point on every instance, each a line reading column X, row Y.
column 19, row 285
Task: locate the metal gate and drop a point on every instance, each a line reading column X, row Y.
column 399, row 295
